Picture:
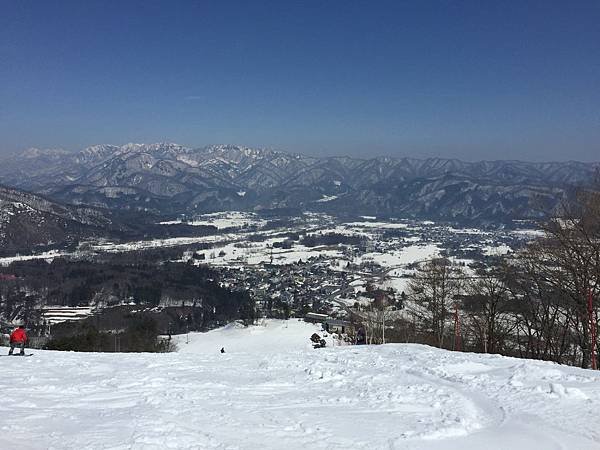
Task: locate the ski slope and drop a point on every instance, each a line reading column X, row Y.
column 275, row 393
column 268, row 337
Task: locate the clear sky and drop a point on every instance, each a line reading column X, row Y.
column 460, row 79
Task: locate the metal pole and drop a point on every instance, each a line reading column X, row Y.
column 456, row 329
column 383, row 329
column 592, row 330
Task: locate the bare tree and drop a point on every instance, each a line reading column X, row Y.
column 542, row 315
column 377, row 316
column 487, row 305
column 432, row 294
column 383, row 314
column 572, row 245
column 552, row 279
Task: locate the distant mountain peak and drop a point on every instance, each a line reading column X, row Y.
column 34, row 152
column 241, row 149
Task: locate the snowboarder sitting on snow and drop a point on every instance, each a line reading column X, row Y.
column 317, row 341
column 18, row 338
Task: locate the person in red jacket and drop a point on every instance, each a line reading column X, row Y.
column 18, row 338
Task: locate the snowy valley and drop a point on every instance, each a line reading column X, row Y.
column 309, row 225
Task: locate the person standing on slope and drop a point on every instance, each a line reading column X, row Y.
column 18, row 338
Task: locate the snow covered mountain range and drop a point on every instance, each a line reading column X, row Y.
column 169, row 178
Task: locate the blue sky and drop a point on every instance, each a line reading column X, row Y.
column 459, row 79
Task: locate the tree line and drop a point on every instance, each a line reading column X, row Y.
column 136, row 301
column 534, row 303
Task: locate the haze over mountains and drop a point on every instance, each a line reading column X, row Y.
column 168, row 179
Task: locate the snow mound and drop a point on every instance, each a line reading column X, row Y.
column 268, row 336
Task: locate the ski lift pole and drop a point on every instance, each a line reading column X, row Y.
column 383, row 327
column 456, row 329
column 592, row 330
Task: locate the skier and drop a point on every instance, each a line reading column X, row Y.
column 222, row 349
column 18, row 338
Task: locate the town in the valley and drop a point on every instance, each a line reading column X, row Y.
column 314, row 266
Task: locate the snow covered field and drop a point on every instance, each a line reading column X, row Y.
column 223, row 220
column 244, row 239
column 270, row 391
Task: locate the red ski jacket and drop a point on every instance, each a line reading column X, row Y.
column 18, row 335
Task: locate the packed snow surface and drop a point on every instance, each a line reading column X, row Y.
column 268, row 337
column 271, row 391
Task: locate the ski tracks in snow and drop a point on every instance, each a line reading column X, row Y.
column 376, row 397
